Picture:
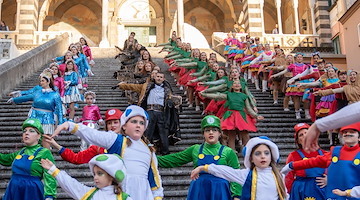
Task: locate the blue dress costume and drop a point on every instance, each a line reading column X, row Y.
column 46, row 107
column 339, row 169
column 72, row 93
column 218, row 188
column 303, row 187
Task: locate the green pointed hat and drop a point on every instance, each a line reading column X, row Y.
column 35, row 123
column 210, row 121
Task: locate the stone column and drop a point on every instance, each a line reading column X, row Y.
column 18, row 14
column 262, row 16
column 312, row 7
column 278, row 9
column 105, row 9
column 41, row 21
column 296, row 13
column 1, row 1
column 180, row 9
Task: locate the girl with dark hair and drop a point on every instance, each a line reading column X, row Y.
column 304, row 184
column 87, row 51
column 261, row 179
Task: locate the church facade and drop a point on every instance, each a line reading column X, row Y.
column 108, row 22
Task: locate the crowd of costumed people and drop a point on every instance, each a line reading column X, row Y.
column 125, row 157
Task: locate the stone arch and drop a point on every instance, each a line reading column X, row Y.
column 65, row 15
column 305, row 21
column 205, row 16
column 270, row 16
column 8, row 13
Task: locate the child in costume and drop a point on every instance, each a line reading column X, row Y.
column 112, row 121
column 342, row 163
column 108, row 171
column 211, row 151
column 143, row 181
column 240, row 116
column 87, row 51
column 261, row 179
column 90, row 115
column 29, row 179
column 72, row 94
column 303, row 184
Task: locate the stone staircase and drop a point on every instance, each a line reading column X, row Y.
column 278, row 125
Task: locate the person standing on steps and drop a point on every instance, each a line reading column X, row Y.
column 46, row 104
column 211, row 151
column 29, row 179
column 153, row 97
column 143, row 181
column 303, row 184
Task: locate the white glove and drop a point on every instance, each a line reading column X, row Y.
column 90, row 73
column 11, row 100
column 289, row 82
column 286, row 169
column 15, row 94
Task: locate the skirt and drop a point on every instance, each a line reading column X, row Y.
column 306, row 188
column 209, row 187
column 236, row 122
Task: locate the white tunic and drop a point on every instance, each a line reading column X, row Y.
column 77, row 190
column 137, row 158
column 345, row 116
column 355, row 192
column 266, row 185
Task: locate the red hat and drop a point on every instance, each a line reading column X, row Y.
column 300, row 126
column 113, row 114
column 355, row 126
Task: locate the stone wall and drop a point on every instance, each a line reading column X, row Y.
column 18, row 69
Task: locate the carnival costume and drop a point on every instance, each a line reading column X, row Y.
column 72, row 93
column 143, row 180
column 111, row 164
column 207, row 187
column 46, row 106
column 27, row 172
column 258, row 183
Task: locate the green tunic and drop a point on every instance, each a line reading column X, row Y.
column 36, row 168
column 228, row 157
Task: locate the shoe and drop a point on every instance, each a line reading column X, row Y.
column 297, row 115
column 307, row 114
column 197, row 108
column 275, row 102
column 190, row 105
column 181, row 88
column 286, row 109
column 291, row 102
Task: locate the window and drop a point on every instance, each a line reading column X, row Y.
column 336, row 44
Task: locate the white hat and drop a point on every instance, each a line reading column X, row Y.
column 275, row 155
column 111, row 163
column 132, row 111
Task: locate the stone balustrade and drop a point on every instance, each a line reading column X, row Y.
column 9, row 35
column 288, row 42
column 18, row 69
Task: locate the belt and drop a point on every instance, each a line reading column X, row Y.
column 40, row 109
column 155, row 107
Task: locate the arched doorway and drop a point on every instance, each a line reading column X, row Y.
column 8, row 13
column 81, row 17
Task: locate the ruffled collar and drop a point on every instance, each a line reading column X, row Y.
column 68, row 73
column 47, row 90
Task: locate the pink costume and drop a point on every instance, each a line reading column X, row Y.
column 59, row 83
column 87, row 52
column 90, row 114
